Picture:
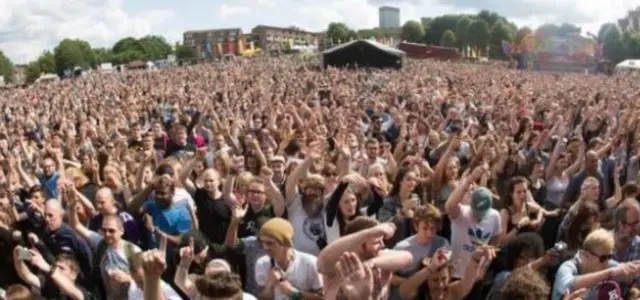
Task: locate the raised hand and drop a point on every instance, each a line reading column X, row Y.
column 239, row 211
column 153, row 263
column 266, row 173
column 186, row 255
column 356, row 277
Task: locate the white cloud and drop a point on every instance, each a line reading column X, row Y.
column 27, row 27
column 226, row 11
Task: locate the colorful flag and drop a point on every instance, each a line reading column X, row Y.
column 507, row 48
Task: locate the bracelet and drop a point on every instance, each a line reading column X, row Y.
column 297, row 295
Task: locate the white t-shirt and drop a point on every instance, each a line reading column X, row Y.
column 307, row 230
column 465, row 230
column 302, row 273
column 182, row 196
column 136, row 293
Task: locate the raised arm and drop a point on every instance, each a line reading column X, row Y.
column 23, row 271
column 291, row 187
column 273, row 192
column 181, row 278
column 452, row 206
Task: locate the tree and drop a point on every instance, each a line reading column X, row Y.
column 352, row 35
column 521, row 33
column 6, row 67
column 368, row 33
column 103, row 55
column 412, row 31
column 337, row 32
column 631, row 39
column 490, row 17
column 462, row 30
column 603, row 30
column 155, row 47
column 184, row 52
column 613, row 46
column 448, row 39
column 438, row 26
column 71, row 53
column 500, row 32
column 479, row 35
column 568, row 29
column 46, row 63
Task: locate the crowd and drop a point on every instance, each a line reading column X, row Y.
column 267, row 179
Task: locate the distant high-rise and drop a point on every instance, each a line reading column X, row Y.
column 389, row 17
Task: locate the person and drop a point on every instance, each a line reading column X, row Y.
column 627, row 242
column 60, row 278
column 285, row 272
column 106, row 205
column 136, row 278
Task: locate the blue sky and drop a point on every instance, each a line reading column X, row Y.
column 27, row 27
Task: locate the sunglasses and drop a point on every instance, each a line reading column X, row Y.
column 603, row 258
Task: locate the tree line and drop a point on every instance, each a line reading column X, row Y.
column 487, row 30
column 72, row 53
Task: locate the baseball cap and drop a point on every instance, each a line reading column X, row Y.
column 609, row 290
column 481, row 202
column 200, row 242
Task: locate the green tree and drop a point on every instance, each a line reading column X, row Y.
column 500, row 32
column 438, row 26
column 521, row 33
column 448, row 39
column 479, row 35
column 631, row 39
column 6, row 67
column 462, row 30
column 368, row 33
column 155, row 47
column 127, row 44
column 184, row 52
column 352, row 35
column 613, row 46
column 46, row 63
column 103, row 55
column 490, row 17
column 33, row 72
column 412, row 31
column 71, row 53
column 603, row 30
column 337, row 32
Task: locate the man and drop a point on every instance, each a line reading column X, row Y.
column 285, row 273
column 112, row 253
column 363, row 236
column 60, row 238
column 59, row 281
column 179, row 144
column 627, row 242
column 49, row 178
column 277, row 165
column 590, row 170
column 592, row 265
column 136, row 281
column 471, row 225
column 422, row 244
column 265, row 201
column 106, row 205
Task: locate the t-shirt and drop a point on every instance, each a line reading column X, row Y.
column 135, row 292
column 466, row 232
column 249, row 227
column 252, row 251
column 131, row 230
column 302, row 273
column 182, row 197
column 49, row 185
column 113, row 259
column 307, row 230
column 213, row 216
column 566, row 277
column 174, row 220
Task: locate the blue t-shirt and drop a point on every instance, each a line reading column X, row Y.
column 49, row 185
column 174, row 220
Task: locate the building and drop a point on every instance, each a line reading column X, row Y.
column 272, row 38
column 213, row 43
column 389, row 17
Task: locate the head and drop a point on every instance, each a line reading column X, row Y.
column 481, row 203
column 180, row 134
column 591, row 161
column 426, row 221
column 596, row 251
column 112, row 229
column 405, row 181
column 18, row 292
column 629, row 190
column 452, row 169
column 276, row 238
column 314, row 188
column 53, row 213
column 68, row 266
column 523, row 249
column 525, row 284
column 36, row 195
column 200, row 245
column 220, row 285
column 163, row 192
column 256, row 194
column 105, row 201
column 627, row 218
column 277, row 164
column 211, row 180
column 48, row 166
column 438, row 281
column 562, row 162
column 372, row 148
column 217, row 265
column 516, row 193
column 585, row 221
column 590, row 189
column 371, row 247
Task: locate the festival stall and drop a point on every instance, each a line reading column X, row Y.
column 566, row 53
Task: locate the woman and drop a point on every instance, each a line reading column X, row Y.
column 586, row 220
column 344, row 205
column 447, row 177
column 558, row 173
column 401, row 199
column 520, row 213
column 589, row 193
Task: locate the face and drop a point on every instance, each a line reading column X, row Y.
column 147, row 143
column 256, row 194
column 164, row 195
column 427, row 230
column 48, row 167
column 111, row 231
column 519, row 192
column 271, row 246
column 348, row 204
column 439, row 281
column 314, row 192
column 591, row 160
column 157, row 128
column 198, row 168
column 627, row 229
column 595, row 259
column 86, row 161
column 409, row 181
column 563, row 163
column 452, row 169
column 104, row 202
column 52, row 217
column 65, row 269
column 372, row 150
column 278, row 169
column 37, row 197
column 372, row 247
column 211, row 181
column 592, row 190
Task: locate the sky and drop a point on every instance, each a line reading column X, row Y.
column 28, row 27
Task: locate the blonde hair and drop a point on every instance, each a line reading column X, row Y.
column 587, row 181
column 600, row 239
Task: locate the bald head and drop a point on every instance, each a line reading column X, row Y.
column 627, row 217
column 53, row 212
column 105, row 201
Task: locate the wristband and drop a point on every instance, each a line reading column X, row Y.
column 297, row 295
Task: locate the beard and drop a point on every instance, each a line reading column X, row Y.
column 312, row 205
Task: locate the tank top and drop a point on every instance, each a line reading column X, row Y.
column 556, row 189
column 511, row 225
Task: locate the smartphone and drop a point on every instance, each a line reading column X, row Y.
column 24, row 254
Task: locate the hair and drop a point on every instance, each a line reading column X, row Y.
column 71, row 260
column 621, row 212
column 600, row 239
column 507, row 201
column 427, row 214
column 576, row 233
column 629, row 189
column 528, row 242
column 220, row 285
column 397, row 181
column 360, row 223
column 18, row 292
column 525, row 283
column 219, row 264
column 33, row 190
column 587, row 181
column 116, row 219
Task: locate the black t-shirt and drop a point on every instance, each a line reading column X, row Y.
column 249, row 227
column 51, row 291
column 179, row 151
column 135, row 145
column 213, row 216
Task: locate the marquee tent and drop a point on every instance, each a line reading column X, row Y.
column 629, row 64
column 363, row 53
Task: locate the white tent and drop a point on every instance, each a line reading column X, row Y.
column 629, row 64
